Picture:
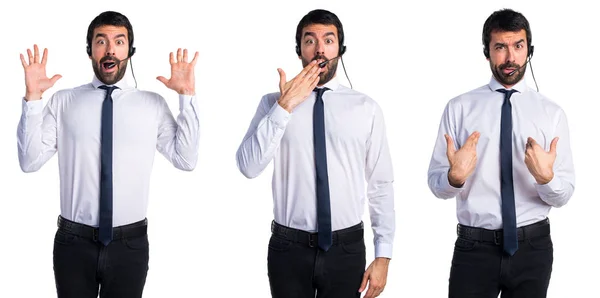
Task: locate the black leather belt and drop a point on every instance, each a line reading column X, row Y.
column 353, row 233
column 538, row 229
column 136, row 229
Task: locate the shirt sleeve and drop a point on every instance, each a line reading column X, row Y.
column 262, row 138
column 36, row 134
column 178, row 140
column 380, row 191
column 437, row 175
column 559, row 190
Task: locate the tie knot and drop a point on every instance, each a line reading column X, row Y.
column 109, row 89
column 507, row 92
column 320, row 91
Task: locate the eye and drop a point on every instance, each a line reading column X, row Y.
column 120, row 42
column 519, row 46
column 329, row 41
column 309, row 41
column 499, row 47
column 101, row 41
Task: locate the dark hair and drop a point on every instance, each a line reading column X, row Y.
column 506, row 20
column 323, row 17
column 110, row 18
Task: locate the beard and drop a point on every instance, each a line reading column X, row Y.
column 327, row 75
column 113, row 77
column 506, row 79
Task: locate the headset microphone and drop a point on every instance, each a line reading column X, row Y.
column 524, row 65
column 322, row 64
column 528, row 61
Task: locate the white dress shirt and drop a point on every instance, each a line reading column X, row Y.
column 70, row 124
column 479, row 201
column 357, row 150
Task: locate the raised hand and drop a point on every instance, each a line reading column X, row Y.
column 36, row 81
column 462, row 161
column 539, row 162
column 299, row 88
column 182, row 78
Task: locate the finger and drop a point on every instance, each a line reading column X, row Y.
column 553, row 145
column 45, row 57
column 171, row 58
column 449, row 145
column 473, row 139
column 363, row 284
column 55, row 78
column 281, row 79
column 23, row 61
column 36, row 54
column 370, row 293
column 162, row 80
column 531, row 142
column 30, row 56
column 315, row 81
column 185, row 55
column 306, row 69
column 195, row 58
column 179, row 55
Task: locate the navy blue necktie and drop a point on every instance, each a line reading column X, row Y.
column 106, row 181
column 323, row 205
column 509, row 217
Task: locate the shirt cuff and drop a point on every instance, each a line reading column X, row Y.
column 552, row 187
column 32, row 107
column 448, row 188
column 186, row 101
column 383, row 250
column 279, row 115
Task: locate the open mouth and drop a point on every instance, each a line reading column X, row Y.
column 109, row 65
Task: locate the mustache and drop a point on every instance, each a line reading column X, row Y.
column 509, row 65
column 110, row 59
column 317, row 57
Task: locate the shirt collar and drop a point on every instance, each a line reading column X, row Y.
column 521, row 86
column 122, row 84
column 333, row 84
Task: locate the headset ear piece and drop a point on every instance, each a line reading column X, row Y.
column 342, row 50
column 531, row 51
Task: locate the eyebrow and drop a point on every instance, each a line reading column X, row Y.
column 105, row 36
column 503, row 44
column 315, row 35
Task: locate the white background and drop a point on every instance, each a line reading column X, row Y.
column 209, row 228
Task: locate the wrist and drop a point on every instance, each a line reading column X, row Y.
column 285, row 104
column 190, row 92
column 29, row 96
column 457, row 183
column 544, row 180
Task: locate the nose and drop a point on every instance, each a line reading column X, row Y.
column 510, row 57
column 320, row 48
column 110, row 49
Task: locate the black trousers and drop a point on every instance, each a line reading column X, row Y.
column 298, row 268
column 85, row 268
column 480, row 269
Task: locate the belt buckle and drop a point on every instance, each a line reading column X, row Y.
column 311, row 240
column 497, row 239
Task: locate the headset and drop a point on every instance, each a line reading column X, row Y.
column 130, row 53
column 341, row 51
column 530, row 47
